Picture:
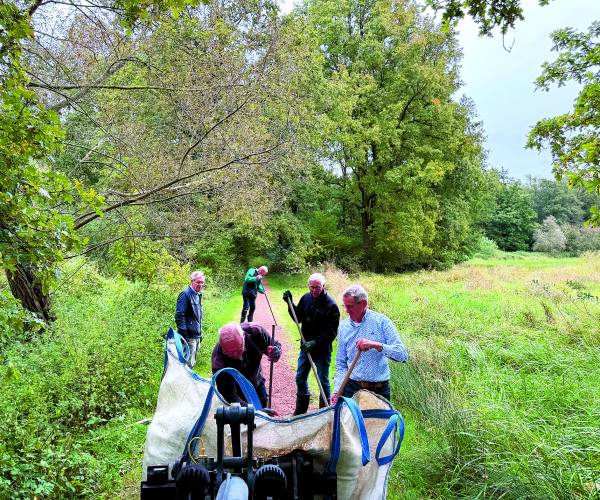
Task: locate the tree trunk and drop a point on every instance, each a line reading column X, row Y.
column 26, row 287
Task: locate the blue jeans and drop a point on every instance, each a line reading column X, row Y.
column 322, row 363
column 352, row 387
column 248, row 307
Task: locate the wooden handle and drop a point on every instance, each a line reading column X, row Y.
column 347, row 377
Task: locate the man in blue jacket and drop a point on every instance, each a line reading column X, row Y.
column 188, row 314
column 252, row 285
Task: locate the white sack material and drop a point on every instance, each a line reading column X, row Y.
column 183, row 397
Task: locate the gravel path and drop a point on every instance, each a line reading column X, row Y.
column 284, row 377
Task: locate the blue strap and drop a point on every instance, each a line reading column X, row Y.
column 247, row 388
column 335, row 436
column 199, row 425
column 249, row 393
column 395, row 423
column 172, row 335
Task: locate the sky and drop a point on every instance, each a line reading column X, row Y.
column 501, row 83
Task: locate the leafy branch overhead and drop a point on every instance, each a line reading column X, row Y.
column 573, row 138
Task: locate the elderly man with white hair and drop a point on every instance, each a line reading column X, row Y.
column 319, row 315
column 375, row 335
column 188, row 314
column 242, row 347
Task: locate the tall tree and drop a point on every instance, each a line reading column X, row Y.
column 513, row 221
column 393, row 133
column 188, row 107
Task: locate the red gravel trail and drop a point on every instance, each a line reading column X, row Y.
column 284, row 377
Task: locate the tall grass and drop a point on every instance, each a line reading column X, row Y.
column 70, row 398
column 502, row 392
column 501, row 395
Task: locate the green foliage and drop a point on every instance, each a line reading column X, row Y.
column 411, row 194
column 573, row 138
column 513, row 221
column 487, row 14
column 554, row 198
column 14, row 320
column 485, row 248
column 36, row 230
column 581, row 239
column 69, row 399
column 139, row 259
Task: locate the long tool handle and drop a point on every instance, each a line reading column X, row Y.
column 269, row 303
column 340, row 391
column 310, row 360
column 271, row 371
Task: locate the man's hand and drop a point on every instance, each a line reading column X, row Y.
column 334, row 399
column 287, row 295
column 307, row 346
column 365, row 344
column 273, row 353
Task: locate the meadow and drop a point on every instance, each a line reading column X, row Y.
column 501, row 395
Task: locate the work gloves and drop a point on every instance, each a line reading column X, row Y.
column 307, row 346
column 287, row 295
column 273, row 353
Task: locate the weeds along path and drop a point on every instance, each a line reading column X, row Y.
column 284, row 377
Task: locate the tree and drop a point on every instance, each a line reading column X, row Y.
column 488, row 14
column 36, row 228
column 398, row 142
column 549, row 237
column 574, row 138
column 513, row 221
column 152, row 120
column 554, row 198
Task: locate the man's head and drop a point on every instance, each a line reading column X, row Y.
column 262, row 270
column 316, row 284
column 197, row 281
column 231, row 340
column 356, row 301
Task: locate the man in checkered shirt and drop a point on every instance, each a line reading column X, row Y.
column 375, row 335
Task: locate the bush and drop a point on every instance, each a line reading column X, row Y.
column 485, row 248
column 580, row 239
column 549, row 238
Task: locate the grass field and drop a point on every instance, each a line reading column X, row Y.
column 501, row 395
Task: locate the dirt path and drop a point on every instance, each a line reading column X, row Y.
column 284, row 377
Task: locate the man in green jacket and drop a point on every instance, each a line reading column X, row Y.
column 252, row 285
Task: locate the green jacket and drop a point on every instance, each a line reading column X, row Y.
column 251, row 286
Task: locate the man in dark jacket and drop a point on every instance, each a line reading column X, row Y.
column 242, row 347
column 188, row 314
column 252, row 285
column 319, row 315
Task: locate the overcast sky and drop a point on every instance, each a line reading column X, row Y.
column 501, row 83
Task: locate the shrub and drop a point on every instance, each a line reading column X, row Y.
column 485, row 248
column 580, row 239
column 549, row 238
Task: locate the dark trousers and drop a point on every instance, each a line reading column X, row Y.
column 322, row 362
column 352, row 387
column 248, row 307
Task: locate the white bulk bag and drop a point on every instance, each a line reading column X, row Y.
column 341, row 438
